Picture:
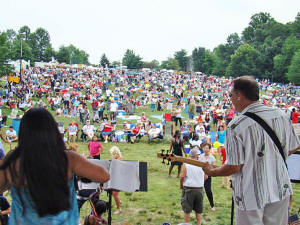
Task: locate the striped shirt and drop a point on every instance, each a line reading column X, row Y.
column 263, row 178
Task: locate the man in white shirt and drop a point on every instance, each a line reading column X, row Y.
column 89, row 130
column 154, row 132
column 191, row 183
column 113, row 110
column 261, row 184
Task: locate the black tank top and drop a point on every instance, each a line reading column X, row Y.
column 177, row 148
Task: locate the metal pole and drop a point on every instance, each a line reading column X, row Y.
column 21, row 62
column 109, row 207
column 21, row 39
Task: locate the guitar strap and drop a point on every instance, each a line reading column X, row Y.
column 269, row 130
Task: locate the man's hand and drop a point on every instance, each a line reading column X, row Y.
column 208, row 169
column 205, row 176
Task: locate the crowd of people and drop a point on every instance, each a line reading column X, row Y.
column 111, row 106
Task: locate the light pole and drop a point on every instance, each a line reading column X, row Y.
column 21, row 39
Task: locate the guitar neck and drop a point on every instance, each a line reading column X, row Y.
column 191, row 161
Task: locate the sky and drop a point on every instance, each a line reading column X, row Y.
column 153, row 29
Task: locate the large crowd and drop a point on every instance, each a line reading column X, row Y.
column 109, row 103
column 124, row 106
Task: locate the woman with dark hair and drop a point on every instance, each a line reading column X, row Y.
column 40, row 173
column 178, row 147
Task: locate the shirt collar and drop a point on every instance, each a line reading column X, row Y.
column 251, row 106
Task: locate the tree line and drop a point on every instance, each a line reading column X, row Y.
column 36, row 47
column 265, row 49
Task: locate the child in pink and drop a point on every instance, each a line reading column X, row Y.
column 95, row 148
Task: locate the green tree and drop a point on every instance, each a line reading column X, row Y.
column 16, row 50
column 38, row 41
column 10, row 37
column 115, row 63
column 104, row 61
column 198, row 57
column 4, row 56
column 219, row 68
column 77, row 56
column 233, row 43
column 295, row 26
column 209, row 62
column 154, row 64
column 170, row 64
column 245, row 61
column 182, row 58
column 283, row 60
column 49, row 53
column 293, row 74
column 63, row 55
column 255, row 33
column 25, row 32
column 221, row 60
column 131, row 60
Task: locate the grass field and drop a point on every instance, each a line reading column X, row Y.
column 162, row 201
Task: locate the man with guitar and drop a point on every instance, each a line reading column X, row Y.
column 257, row 144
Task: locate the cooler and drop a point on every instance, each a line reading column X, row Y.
column 16, row 125
column 121, row 113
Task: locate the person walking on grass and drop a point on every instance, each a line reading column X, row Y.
column 210, row 159
column 191, row 183
column 116, row 154
column 95, row 148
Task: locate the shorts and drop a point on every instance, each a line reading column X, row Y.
column 176, row 163
column 106, row 133
column 192, row 199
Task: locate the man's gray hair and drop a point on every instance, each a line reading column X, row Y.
column 193, row 153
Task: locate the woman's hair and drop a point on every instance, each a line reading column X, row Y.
column 43, row 163
column 176, row 133
column 115, row 152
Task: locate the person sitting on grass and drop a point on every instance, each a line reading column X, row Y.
column 154, row 132
column 144, row 119
column 107, row 130
column 11, row 135
column 135, row 132
column 73, row 129
column 94, row 147
column 89, row 130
